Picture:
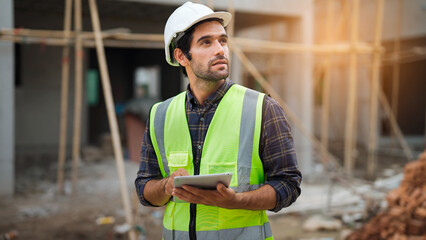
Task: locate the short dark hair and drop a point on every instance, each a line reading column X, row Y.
column 184, row 43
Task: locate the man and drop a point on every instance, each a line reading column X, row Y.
column 215, row 127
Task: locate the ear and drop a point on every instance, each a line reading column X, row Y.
column 180, row 57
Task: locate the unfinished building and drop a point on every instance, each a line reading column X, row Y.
column 349, row 74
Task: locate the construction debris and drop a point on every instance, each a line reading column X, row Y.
column 405, row 217
column 320, row 222
column 105, row 220
column 10, row 235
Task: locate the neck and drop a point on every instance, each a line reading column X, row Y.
column 202, row 89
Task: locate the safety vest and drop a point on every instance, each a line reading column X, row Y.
column 231, row 145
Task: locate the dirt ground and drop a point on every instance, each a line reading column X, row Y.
column 38, row 212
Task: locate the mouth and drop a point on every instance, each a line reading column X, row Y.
column 220, row 62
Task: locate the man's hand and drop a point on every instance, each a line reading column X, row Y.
column 221, row 197
column 159, row 191
column 168, row 186
column 260, row 199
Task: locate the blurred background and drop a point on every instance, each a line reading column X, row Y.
column 350, row 75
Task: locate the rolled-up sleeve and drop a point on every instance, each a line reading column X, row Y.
column 148, row 168
column 278, row 155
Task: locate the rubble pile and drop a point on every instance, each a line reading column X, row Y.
column 405, row 217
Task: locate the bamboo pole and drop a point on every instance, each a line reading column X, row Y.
column 396, row 65
column 394, row 125
column 77, row 95
column 118, row 33
column 375, row 84
column 51, row 37
column 64, row 99
column 111, row 115
column 263, row 46
column 248, row 45
column 414, row 54
column 35, row 40
column 88, row 43
column 343, row 19
column 350, row 127
column 125, row 44
column 326, row 91
column 331, row 160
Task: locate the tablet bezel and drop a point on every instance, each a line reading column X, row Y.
column 208, row 181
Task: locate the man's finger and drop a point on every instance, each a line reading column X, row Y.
column 222, row 189
column 192, row 190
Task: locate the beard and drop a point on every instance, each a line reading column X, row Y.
column 206, row 73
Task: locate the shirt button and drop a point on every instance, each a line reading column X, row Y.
column 201, row 119
column 199, row 147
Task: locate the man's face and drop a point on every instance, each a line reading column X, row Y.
column 209, row 51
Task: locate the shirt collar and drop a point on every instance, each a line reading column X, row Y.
column 214, row 98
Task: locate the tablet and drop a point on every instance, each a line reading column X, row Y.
column 204, row 181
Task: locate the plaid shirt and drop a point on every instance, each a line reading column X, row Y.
column 276, row 147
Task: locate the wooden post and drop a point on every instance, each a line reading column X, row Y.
column 396, row 65
column 117, row 33
column 326, row 91
column 343, row 18
column 78, row 94
column 394, row 125
column 290, row 114
column 350, row 127
column 375, row 84
column 64, row 99
column 140, row 40
column 262, row 46
column 118, row 152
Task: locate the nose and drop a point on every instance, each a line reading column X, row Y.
column 219, row 48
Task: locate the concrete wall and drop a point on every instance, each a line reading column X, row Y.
column 38, row 100
column 6, row 104
column 412, row 24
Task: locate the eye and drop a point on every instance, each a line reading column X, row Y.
column 223, row 41
column 205, row 42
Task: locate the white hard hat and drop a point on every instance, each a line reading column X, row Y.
column 185, row 17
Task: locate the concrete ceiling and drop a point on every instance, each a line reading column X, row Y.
column 26, row 10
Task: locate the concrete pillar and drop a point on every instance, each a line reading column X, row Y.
column 236, row 70
column 298, row 88
column 7, row 89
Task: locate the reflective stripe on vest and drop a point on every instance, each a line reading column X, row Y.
column 159, row 111
column 231, row 145
column 254, row 232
